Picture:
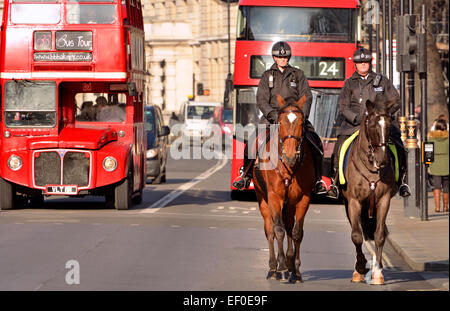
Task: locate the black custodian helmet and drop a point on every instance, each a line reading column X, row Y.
column 281, row 49
column 362, row 55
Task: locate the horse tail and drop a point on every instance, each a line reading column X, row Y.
column 369, row 225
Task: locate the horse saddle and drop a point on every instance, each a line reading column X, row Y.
column 344, row 155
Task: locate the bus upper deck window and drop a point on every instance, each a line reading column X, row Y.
column 79, row 13
column 35, row 13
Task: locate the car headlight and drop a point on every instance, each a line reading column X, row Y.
column 109, row 164
column 151, row 153
column 227, row 130
column 14, row 162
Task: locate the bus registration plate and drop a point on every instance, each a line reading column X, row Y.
column 58, row 189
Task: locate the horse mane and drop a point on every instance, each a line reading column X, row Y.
column 290, row 101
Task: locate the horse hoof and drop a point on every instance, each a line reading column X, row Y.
column 377, row 280
column 357, row 277
column 283, row 275
column 295, row 278
column 272, row 275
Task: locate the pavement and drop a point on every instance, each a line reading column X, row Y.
column 424, row 245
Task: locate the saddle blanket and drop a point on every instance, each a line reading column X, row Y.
column 344, row 155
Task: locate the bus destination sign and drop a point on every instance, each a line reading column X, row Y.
column 74, row 40
column 62, row 57
column 315, row 68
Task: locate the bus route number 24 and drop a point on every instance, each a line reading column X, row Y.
column 327, row 69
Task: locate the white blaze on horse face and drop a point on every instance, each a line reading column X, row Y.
column 292, row 117
column 382, row 123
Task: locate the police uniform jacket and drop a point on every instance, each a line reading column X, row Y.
column 353, row 98
column 289, row 83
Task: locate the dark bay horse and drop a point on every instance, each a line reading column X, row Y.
column 370, row 185
column 284, row 188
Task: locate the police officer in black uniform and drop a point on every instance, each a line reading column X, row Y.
column 363, row 85
column 287, row 81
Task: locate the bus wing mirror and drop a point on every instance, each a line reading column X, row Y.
column 132, row 91
column 165, row 130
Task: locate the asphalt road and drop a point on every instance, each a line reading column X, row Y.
column 186, row 235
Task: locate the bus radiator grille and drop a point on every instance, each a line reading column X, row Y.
column 47, row 169
column 76, row 169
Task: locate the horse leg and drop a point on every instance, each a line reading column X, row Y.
column 275, row 204
column 270, row 235
column 297, row 236
column 380, row 237
column 289, row 224
column 354, row 215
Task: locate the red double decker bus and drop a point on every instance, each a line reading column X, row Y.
column 72, row 85
column 322, row 34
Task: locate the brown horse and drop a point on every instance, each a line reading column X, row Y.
column 284, row 188
column 370, row 185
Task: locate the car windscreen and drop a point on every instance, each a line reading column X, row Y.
column 30, row 103
column 200, row 112
column 149, row 120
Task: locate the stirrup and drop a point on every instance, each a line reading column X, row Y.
column 404, row 190
column 320, row 187
column 333, row 193
column 243, row 183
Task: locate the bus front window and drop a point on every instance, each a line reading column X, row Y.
column 39, row 13
column 91, row 13
column 30, row 103
column 296, row 24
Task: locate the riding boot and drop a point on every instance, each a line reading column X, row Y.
column 319, row 187
column 317, row 152
column 247, row 173
column 402, row 153
column 333, row 192
column 403, row 188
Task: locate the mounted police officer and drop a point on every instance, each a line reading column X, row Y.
column 287, row 81
column 364, row 84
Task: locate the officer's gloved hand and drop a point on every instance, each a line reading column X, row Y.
column 358, row 119
column 272, row 116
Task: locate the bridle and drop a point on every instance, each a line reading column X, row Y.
column 373, row 145
column 297, row 138
column 371, row 157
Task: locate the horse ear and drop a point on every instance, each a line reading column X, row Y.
column 281, row 100
column 301, row 102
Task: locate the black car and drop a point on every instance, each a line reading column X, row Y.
column 157, row 144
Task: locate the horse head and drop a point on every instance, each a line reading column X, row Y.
column 377, row 123
column 291, row 119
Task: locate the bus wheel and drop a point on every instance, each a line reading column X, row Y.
column 122, row 194
column 7, row 195
column 36, row 201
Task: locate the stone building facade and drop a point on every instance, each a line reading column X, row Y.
column 187, row 44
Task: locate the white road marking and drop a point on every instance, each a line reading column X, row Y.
column 177, row 192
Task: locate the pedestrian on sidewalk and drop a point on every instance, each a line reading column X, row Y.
column 439, row 169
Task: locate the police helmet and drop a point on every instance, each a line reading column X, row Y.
column 281, row 49
column 362, row 55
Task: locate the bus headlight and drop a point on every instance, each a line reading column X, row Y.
column 14, row 162
column 109, row 164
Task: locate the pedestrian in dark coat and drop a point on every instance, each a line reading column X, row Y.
column 365, row 85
